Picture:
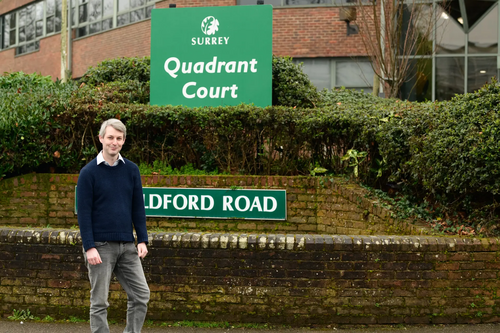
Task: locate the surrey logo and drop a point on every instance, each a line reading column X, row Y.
column 210, row 25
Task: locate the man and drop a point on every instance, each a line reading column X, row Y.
column 110, row 206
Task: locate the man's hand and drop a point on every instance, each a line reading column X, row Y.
column 93, row 256
column 142, row 249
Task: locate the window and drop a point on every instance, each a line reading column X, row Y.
column 53, row 16
column 338, row 72
column 23, row 27
column 9, row 30
column 30, row 28
column 301, row 2
column 130, row 11
column 95, row 16
column 463, row 54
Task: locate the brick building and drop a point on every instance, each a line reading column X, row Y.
column 464, row 42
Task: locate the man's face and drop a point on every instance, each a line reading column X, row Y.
column 112, row 142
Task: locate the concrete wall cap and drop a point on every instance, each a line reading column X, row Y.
column 288, row 242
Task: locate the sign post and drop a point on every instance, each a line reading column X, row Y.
column 211, row 56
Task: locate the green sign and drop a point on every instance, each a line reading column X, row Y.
column 213, row 203
column 211, row 56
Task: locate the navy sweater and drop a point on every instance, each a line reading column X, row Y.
column 110, row 204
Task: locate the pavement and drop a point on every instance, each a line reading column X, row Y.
column 39, row 327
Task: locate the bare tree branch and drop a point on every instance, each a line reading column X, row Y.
column 393, row 32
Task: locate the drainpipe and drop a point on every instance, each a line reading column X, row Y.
column 70, row 41
column 64, row 30
column 378, row 85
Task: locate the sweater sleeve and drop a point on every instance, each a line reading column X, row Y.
column 85, row 192
column 138, row 211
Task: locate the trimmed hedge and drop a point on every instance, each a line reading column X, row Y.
column 30, row 133
column 291, row 87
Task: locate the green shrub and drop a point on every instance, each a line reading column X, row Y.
column 19, row 82
column 29, row 128
column 291, row 87
column 352, row 97
column 460, row 153
column 118, row 69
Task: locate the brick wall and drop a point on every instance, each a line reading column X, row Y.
column 314, row 205
column 313, row 32
column 298, row 32
column 276, row 278
column 8, row 5
column 46, row 61
column 133, row 40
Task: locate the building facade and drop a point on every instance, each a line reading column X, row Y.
column 464, row 42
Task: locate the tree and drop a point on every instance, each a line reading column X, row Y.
column 392, row 32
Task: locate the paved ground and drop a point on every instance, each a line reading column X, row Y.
column 30, row 327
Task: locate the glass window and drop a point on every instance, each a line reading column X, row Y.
column 480, row 70
column 417, row 25
column 123, row 19
column 450, row 36
column 148, row 11
column 254, row 2
column 418, row 86
column 99, row 13
column 137, row 15
column 27, row 24
column 133, row 11
column 123, row 5
column 83, row 13
column 9, row 32
column 1, row 32
column 354, row 74
column 50, row 25
column 95, row 10
column 108, row 8
column 318, row 71
column 58, row 17
column 51, row 7
column 302, row 2
column 330, row 73
column 53, row 16
column 484, row 37
column 450, row 74
column 39, row 19
column 306, row 2
column 74, row 12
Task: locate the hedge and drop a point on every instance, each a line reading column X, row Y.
column 447, row 151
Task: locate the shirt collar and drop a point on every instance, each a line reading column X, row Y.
column 100, row 159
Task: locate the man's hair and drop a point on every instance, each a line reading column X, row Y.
column 116, row 124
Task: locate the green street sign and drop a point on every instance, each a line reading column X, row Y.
column 211, row 56
column 215, row 203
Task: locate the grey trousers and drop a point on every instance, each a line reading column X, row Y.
column 122, row 259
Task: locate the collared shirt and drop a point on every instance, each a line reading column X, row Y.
column 100, row 159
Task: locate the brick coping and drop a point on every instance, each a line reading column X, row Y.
column 267, row 241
